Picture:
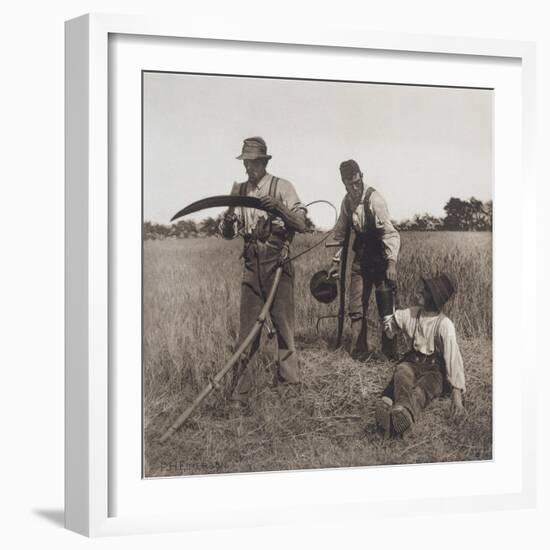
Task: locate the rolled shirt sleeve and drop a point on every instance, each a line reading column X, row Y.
column 288, row 196
column 344, row 220
column 390, row 236
column 451, row 353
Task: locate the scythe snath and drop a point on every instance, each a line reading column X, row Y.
column 234, row 359
column 341, row 316
column 211, row 202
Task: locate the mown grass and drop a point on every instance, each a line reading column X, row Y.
column 191, row 304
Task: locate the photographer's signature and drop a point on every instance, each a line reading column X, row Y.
column 184, row 467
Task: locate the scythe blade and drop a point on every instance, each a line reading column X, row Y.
column 220, row 200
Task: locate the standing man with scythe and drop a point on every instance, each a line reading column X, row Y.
column 267, row 241
column 376, row 246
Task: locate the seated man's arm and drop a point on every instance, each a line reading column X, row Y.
column 454, row 365
column 399, row 321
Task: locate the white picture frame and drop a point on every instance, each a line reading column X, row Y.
column 89, row 220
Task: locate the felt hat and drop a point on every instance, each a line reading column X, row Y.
column 441, row 287
column 254, row 148
column 322, row 288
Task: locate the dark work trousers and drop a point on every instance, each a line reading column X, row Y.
column 260, row 263
column 415, row 384
column 365, row 276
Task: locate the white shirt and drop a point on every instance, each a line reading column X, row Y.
column 426, row 341
column 285, row 193
column 356, row 217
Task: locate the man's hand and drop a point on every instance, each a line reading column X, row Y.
column 273, row 206
column 391, row 271
column 333, row 272
column 457, row 408
column 228, row 225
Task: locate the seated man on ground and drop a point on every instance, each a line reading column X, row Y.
column 432, row 365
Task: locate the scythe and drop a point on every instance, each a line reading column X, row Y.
column 234, row 201
column 228, row 201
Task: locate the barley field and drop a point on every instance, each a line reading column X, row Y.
column 190, row 324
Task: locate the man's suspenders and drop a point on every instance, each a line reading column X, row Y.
column 369, row 216
column 273, row 184
column 273, row 187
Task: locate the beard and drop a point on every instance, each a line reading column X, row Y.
column 254, row 176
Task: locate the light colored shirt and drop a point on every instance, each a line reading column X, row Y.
column 431, row 334
column 357, row 218
column 249, row 217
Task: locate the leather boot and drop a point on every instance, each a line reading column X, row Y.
column 359, row 345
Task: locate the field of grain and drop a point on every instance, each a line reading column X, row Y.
column 190, row 324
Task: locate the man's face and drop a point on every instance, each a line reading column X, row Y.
column 354, row 185
column 423, row 294
column 255, row 169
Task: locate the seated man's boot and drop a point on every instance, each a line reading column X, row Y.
column 382, row 414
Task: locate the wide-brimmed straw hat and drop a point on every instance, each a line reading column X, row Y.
column 254, row 148
column 442, row 287
column 322, row 288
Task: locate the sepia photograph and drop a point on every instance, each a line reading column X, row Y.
column 317, row 270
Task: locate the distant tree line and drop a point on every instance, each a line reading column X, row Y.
column 185, row 229
column 460, row 215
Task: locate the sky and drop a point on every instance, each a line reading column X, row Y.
column 416, row 145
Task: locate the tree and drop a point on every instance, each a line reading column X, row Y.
column 471, row 215
column 425, row 222
column 456, row 214
column 310, row 226
column 162, row 231
column 488, row 208
column 209, row 226
column 149, row 231
column 476, row 215
column 186, row 229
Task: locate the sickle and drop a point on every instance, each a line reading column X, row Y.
column 220, row 200
column 342, row 279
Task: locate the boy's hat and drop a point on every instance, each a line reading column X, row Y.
column 441, row 287
column 322, row 288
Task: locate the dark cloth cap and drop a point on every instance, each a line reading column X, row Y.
column 349, row 168
column 441, row 287
column 254, row 148
column 322, row 288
